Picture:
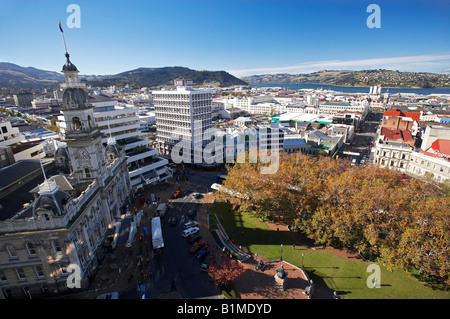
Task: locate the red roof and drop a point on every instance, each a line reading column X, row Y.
column 396, row 134
column 414, row 115
column 441, row 146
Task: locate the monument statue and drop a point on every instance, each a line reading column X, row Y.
column 280, row 272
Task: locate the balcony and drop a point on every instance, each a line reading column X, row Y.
column 150, row 163
column 140, row 153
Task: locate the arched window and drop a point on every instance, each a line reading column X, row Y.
column 76, row 124
column 87, row 172
column 31, row 249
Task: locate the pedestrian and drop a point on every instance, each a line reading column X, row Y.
column 293, row 246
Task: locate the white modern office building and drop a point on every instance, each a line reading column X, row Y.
column 182, row 117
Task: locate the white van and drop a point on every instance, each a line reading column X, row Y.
column 190, row 224
column 189, row 231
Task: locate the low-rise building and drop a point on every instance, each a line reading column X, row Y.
column 435, row 161
column 394, row 155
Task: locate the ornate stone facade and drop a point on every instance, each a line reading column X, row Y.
column 64, row 228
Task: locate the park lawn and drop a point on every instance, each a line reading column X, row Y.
column 347, row 277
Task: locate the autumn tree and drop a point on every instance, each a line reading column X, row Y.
column 224, row 271
column 400, row 220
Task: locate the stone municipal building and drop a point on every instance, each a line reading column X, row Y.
column 59, row 217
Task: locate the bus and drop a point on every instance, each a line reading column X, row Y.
column 157, row 238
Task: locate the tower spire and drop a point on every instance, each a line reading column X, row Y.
column 64, row 40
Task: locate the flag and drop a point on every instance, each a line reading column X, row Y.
column 60, row 27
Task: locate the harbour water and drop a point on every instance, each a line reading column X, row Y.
column 349, row 89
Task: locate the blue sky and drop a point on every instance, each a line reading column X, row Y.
column 239, row 36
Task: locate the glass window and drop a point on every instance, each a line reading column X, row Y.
column 21, row 274
column 39, row 272
column 11, row 251
column 2, row 276
column 31, row 249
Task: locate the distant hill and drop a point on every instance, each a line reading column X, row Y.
column 385, row 78
column 151, row 77
column 15, row 76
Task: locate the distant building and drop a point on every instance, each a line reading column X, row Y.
column 398, row 120
column 6, row 156
column 182, row 116
column 434, row 161
column 122, row 123
column 393, row 155
column 340, row 107
column 432, row 133
column 23, row 99
column 20, row 146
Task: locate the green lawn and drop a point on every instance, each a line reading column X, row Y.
column 346, row 276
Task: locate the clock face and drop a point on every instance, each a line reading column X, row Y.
column 82, row 153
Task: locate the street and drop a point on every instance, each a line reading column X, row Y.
column 173, row 269
column 361, row 144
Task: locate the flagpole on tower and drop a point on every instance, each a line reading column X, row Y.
column 62, row 32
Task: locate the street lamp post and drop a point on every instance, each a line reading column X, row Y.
column 281, row 257
column 303, row 255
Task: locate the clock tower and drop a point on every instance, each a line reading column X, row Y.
column 83, row 138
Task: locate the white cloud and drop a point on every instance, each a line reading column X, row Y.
column 419, row 63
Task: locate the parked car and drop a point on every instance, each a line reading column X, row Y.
column 190, row 231
column 193, row 238
column 190, row 224
column 109, row 295
column 197, row 246
column 202, row 253
column 178, row 193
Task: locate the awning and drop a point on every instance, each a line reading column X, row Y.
column 150, row 177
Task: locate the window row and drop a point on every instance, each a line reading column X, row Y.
column 31, row 249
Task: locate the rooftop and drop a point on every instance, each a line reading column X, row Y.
column 12, row 203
